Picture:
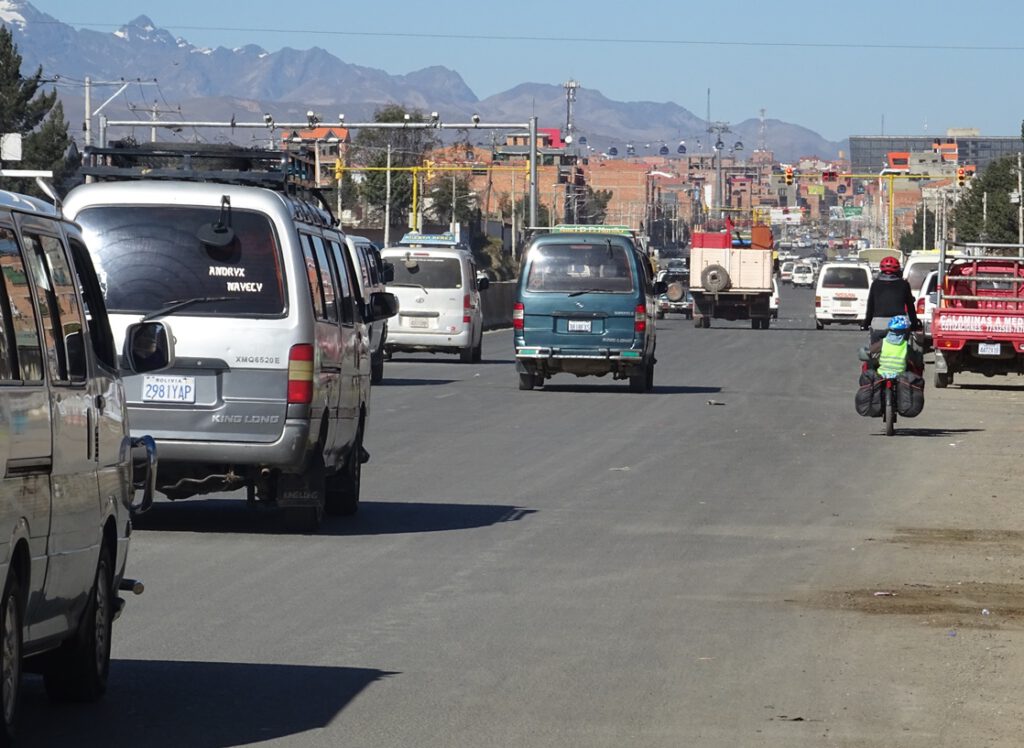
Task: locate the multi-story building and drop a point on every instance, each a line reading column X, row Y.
column 869, row 153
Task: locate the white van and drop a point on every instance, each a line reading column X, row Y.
column 842, row 293
column 435, row 281
column 918, row 265
column 271, row 387
column 372, row 274
column 69, row 476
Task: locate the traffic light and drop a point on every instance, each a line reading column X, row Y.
column 339, row 169
column 430, row 169
column 789, row 175
column 961, row 176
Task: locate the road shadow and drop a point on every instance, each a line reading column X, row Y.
column 659, row 389
column 373, row 518
column 991, row 387
column 903, row 431
column 407, row 382
column 447, row 360
column 170, row 704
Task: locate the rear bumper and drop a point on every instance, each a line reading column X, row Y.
column 287, row 452
column 593, row 362
column 404, row 340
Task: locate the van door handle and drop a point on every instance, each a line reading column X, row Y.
column 100, row 403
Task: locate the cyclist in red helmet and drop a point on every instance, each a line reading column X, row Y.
column 888, row 297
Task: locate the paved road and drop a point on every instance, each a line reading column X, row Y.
column 583, row 566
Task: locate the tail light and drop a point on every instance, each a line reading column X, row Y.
column 817, row 301
column 466, row 306
column 640, row 323
column 518, row 315
column 920, row 305
column 300, row 374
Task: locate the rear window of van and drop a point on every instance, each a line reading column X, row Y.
column 150, row 256
column 428, row 272
column 579, row 267
column 845, row 278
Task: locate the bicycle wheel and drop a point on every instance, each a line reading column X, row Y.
column 889, row 404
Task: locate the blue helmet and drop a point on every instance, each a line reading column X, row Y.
column 899, row 323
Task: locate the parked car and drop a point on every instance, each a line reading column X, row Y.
column 842, row 293
column 774, row 303
column 585, row 305
column 69, row 476
column 270, row 391
column 438, row 291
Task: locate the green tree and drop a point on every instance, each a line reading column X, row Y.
column 597, row 205
column 914, row 240
column 441, row 192
column 984, row 211
column 409, row 147
column 37, row 116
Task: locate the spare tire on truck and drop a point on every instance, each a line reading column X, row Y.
column 675, row 292
column 715, row 278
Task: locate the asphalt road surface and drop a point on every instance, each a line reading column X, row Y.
column 736, row 559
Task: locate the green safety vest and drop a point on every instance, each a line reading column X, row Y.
column 893, row 359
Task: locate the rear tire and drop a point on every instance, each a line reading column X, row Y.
column 78, row 670
column 705, row 322
column 466, row 354
column 942, row 379
column 342, row 498
column 642, row 382
column 819, row 325
column 766, row 323
column 890, row 412
column 478, row 352
column 377, row 368
column 10, row 657
column 659, row 314
column 527, row 381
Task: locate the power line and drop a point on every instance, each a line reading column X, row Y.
column 618, row 41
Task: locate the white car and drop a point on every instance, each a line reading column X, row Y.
column 926, row 300
column 803, row 275
column 773, row 303
column 786, row 271
column 842, row 293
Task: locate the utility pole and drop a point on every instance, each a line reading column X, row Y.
column 387, row 202
column 1020, row 203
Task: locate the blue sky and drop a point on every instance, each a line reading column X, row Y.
column 838, row 69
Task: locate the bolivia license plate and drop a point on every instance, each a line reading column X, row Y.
column 417, row 321
column 579, row 325
column 165, row 389
column 989, row 349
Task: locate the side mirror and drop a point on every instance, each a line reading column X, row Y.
column 148, row 346
column 483, row 283
column 660, row 287
column 381, row 306
column 388, row 273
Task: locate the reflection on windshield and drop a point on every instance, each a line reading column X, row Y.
column 428, row 272
column 589, row 267
column 150, row 257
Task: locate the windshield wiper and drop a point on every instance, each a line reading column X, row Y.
column 410, row 285
column 591, row 290
column 174, row 306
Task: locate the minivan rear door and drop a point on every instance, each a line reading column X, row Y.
column 229, row 381
column 580, row 296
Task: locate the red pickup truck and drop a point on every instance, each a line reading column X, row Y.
column 978, row 322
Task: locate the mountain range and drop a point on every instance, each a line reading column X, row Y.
column 171, row 78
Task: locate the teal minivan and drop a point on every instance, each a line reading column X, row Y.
column 586, row 305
